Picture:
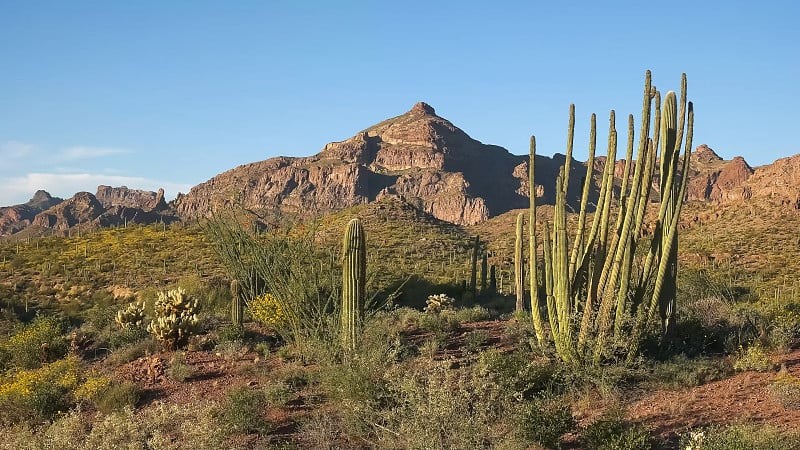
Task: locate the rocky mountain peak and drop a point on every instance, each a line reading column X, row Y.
column 423, row 108
column 704, row 154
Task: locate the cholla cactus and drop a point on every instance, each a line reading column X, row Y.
column 176, row 318
column 131, row 317
column 438, row 303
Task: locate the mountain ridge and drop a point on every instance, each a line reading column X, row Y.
column 418, row 157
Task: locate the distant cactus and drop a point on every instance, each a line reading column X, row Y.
column 237, row 304
column 131, row 317
column 175, row 320
column 354, row 279
column 438, row 303
column 473, row 280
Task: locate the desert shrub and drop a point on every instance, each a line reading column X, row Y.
column 784, row 329
column 612, row 432
column 144, row 346
column 38, row 394
column 786, row 390
column 433, row 406
column 277, row 394
column 266, row 309
column 178, row 369
column 117, row 396
column 126, row 336
column 740, row 437
column 474, row 340
column 241, row 411
column 681, row 371
column 755, row 357
column 519, row 375
column 230, row 332
column 34, row 344
column 442, row 322
column 231, row 350
column 473, row 314
column 544, row 421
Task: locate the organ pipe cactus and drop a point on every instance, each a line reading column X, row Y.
column 354, row 279
column 593, row 283
column 519, row 270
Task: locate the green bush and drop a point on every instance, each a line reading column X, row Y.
column 178, row 369
column 34, row 344
column 520, row 375
column 117, row 396
column 544, row 421
column 241, row 411
column 611, row 432
column 740, row 437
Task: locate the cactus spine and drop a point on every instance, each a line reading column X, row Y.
column 595, row 280
column 354, row 278
column 237, row 305
column 519, row 274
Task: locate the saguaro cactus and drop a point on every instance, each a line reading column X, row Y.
column 237, row 305
column 473, row 280
column 354, row 279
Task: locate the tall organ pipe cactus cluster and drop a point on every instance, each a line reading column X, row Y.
column 594, row 280
column 354, row 279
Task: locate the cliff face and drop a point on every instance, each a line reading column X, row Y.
column 131, row 198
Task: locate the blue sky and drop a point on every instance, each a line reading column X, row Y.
column 167, row 94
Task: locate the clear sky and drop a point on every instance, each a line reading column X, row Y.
column 167, row 94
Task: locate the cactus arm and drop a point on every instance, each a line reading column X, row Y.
column 536, row 314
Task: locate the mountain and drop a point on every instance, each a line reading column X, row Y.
column 18, row 217
column 417, row 156
column 110, row 206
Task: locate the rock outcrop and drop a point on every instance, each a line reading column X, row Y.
column 83, row 207
column 131, row 198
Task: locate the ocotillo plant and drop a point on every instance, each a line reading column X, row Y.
column 519, row 271
column 237, row 305
column 354, row 279
column 599, row 275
